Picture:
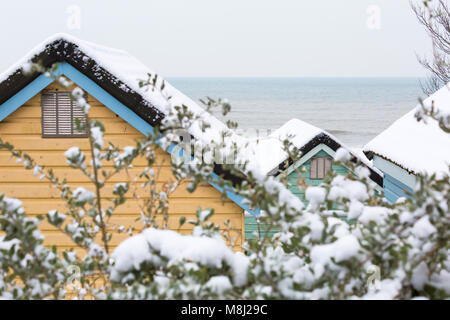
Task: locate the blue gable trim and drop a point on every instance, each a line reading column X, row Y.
column 394, row 189
column 236, row 198
column 105, row 98
column 16, row 101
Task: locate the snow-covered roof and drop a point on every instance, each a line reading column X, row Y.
column 268, row 153
column 127, row 72
column 120, row 73
column 415, row 146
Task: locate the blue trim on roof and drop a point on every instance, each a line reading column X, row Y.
column 236, row 198
column 395, row 189
column 106, row 99
column 20, row 98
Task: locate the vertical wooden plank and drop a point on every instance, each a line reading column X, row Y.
column 313, row 172
column 320, row 168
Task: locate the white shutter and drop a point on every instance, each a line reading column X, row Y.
column 60, row 114
column 64, row 114
column 49, row 118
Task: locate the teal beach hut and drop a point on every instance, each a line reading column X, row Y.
column 317, row 149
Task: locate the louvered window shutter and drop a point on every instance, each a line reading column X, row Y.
column 319, row 167
column 64, row 114
column 78, row 121
column 49, row 115
column 313, row 167
column 61, row 117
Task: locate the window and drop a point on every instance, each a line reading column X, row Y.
column 319, row 167
column 60, row 116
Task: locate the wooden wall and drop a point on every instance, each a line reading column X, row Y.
column 251, row 225
column 23, row 129
column 396, row 180
column 395, row 189
column 293, row 176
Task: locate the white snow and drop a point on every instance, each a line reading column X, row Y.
column 72, row 152
column 423, row 228
column 81, row 102
column 204, row 214
column 341, row 250
column 441, row 280
column 120, row 185
column 345, row 188
column 390, row 289
column 131, row 71
column 7, row 244
column 342, row 155
column 417, row 146
column 315, row 196
column 211, row 252
column 80, row 194
column 219, row 284
column 375, row 214
column 12, row 204
column 27, row 67
column 420, row 276
column 262, row 156
column 97, row 136
column 355, row 209
column 127, row 152
column 265, row 154
column 55, row 215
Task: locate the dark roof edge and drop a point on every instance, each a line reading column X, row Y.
column 323, row 138
column 371, row 154
column 62, row 50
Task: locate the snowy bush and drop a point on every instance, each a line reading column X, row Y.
column 398, row 251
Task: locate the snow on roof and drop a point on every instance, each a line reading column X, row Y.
column 416, row 146
column 262, row 155
column 300, row 131
column 212, row 252
column 267, row 154
column 131, row 71
column 363, row 157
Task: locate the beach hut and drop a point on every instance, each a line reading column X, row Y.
column 37, row 116
column 317, row 149
column 409, row 148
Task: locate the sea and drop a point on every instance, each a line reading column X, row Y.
column 353, row 109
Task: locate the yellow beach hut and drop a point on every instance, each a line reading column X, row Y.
column 37, row 116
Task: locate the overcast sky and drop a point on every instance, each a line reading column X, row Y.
column 179, row 38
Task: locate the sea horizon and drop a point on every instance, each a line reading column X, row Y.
column 354, row 109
